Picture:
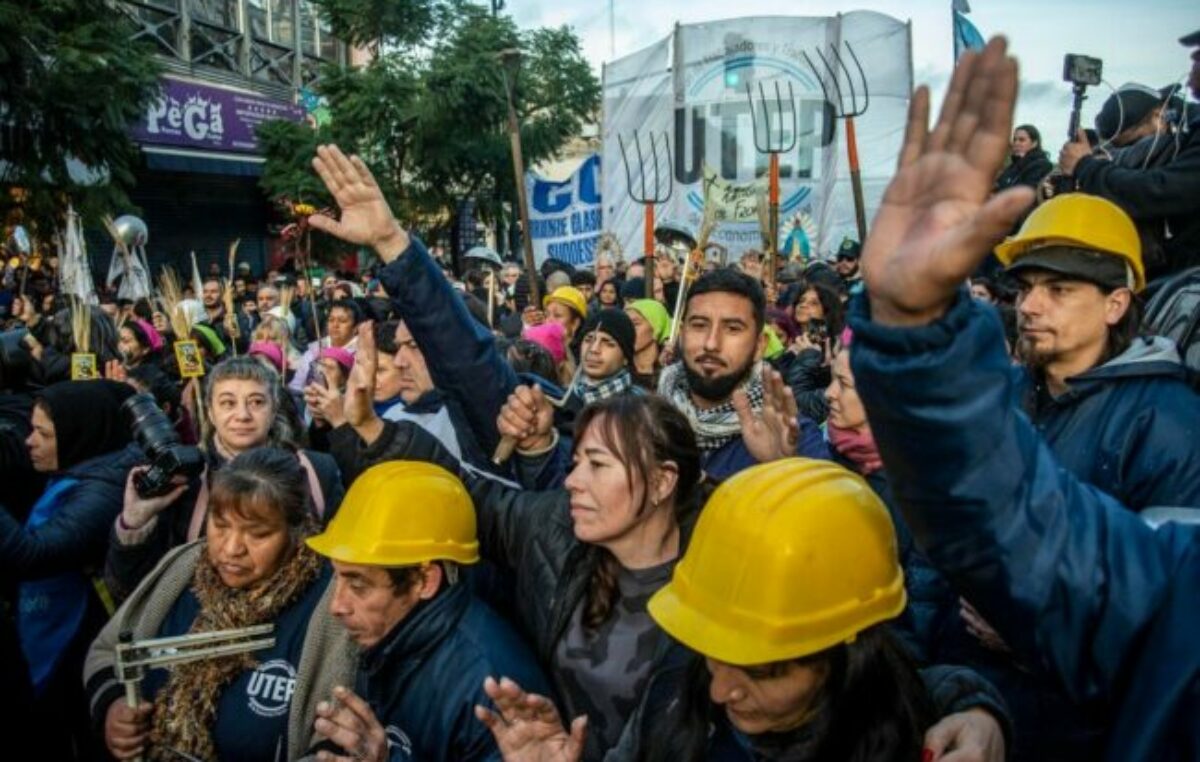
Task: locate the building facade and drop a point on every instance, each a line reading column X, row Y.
column 228, row 66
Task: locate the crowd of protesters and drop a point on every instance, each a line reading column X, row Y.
column 933, row 497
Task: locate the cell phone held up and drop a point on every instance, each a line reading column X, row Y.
column 1082, row 70
column 817, row 331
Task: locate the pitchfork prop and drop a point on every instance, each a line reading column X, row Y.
column 773, row 142
column 657, row 192
column 835, row 95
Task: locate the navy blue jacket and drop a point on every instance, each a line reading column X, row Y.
column 1075, row 583
column 733, row 457
column 461, row 354
column 1126, row 427
column 425, row 678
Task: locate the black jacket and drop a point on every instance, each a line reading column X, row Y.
column 1171, row 192
column 425, row 678
column 1029, row 170
column 76, row 536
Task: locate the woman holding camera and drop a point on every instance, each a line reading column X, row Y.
column 245, row 410
column 251, row 567
column 78, row 440
column 816, row 319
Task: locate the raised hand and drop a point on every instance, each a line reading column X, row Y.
column 936, row 222
column 366, row 218
column 527, row 727
column 358, row 405
column 771, row 433
column 326, row 404
column 350, row 723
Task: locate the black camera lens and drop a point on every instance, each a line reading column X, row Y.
column 151, row 428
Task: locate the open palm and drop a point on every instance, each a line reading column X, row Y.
column 936, row 222
column 366, row 218
column 527, row 727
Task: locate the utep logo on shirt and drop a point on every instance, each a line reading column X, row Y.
column 270, row 688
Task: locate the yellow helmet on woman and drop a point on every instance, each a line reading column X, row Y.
column 787, row 559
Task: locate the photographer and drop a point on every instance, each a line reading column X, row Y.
column 1170, row 192
column 814, row 319
column 78, row 439
column 244, row 406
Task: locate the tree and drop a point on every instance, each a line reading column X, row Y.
column 430, row 119
column 71, row 82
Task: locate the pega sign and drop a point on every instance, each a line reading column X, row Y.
column 191, row 115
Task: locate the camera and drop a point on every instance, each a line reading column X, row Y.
column 168, row 456
column 1082, row 71
column 818, row 331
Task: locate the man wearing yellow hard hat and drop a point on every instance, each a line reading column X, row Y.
column 397, row 545
column 1098, row 384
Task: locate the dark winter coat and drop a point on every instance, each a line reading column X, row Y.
column 425, row 678
column 461, row 354
column 1028, row 170
column 1171, row 192
column 808, row 377
column 1128, row 427
column 1077, row 584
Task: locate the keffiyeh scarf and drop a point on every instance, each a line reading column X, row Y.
column 618, row 383
column 717, row 426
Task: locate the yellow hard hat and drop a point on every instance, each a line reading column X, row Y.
column 1081, row 221
column 570, row 296
column 787, row 559
column 402, row 513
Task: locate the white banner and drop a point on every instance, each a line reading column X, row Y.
column 690, row 90
column 565, row 217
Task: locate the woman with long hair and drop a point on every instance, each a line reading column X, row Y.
column 251, row 567
column 245, row 409
column 779, row 606
column 585, row 558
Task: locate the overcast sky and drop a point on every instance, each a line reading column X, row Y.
column 1137, row 39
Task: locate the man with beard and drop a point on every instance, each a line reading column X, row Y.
column 211, row 295
column 741, row 410
column 1115, row 406
column 846, row 265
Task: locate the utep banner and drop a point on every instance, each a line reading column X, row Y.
column 690, row 88
column 191, row 115
column 564, row 217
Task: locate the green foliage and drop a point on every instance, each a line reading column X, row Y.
column 431, row 120
column 70, row 84
column 371, row 23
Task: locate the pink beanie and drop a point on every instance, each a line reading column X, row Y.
column 151, row 333
column 270, row 351
column 548, row 336
column 341, row 356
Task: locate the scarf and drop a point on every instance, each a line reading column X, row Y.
column 185, row 711
column 715, row 426
column 618, row 383
column 856, row 446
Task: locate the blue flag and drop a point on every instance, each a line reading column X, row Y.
column 966, row 36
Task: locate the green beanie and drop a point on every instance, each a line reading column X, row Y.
column 216, row 347
column 656, row 315
column 774, row 345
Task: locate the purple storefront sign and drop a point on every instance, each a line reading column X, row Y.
column 190, row 115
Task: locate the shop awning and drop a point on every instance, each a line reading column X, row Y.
column 203, row 162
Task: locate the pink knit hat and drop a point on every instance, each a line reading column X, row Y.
column 151, row 333
column 270, row 351
column 340, row 355
column 549, row 336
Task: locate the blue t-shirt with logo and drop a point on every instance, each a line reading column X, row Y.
column 252, row 712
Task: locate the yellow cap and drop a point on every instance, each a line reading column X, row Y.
column 402, row 513
column 570, row 296
column 1077, row 219
column 788, row 558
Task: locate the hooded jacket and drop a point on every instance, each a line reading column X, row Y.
column 1128, row 427
column 1081, row 588
column 425, row 677
column 1171, row 191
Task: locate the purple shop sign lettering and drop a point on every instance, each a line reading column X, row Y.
column 191, row 115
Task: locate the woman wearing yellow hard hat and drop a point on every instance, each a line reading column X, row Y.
column 781, row 600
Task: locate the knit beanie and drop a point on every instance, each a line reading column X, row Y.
column 550, row 336
column 656, row 315
column 617, row 325
column 1126, row 108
